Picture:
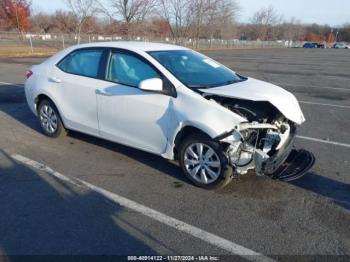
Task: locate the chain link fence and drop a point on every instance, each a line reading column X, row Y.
column 41, row 43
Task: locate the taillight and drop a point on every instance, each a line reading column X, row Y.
column 29, row 74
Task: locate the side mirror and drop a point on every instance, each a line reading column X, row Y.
column 153, row 84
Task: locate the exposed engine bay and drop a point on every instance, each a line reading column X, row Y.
column 262, row 143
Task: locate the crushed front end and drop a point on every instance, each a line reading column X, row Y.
column 265, row 143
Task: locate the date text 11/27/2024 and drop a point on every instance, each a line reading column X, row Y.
column 173, row 258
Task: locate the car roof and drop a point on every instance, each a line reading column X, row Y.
column 134, row 45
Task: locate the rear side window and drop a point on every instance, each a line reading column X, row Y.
column 129, row 70
column 82, row 62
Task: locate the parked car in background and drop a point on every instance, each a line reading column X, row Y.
column 313, row 45
column 341, row 46
column 173, row 102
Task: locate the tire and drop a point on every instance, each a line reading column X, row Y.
column 217, row 162
column 50, row 120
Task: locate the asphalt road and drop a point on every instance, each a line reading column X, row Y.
column 41, row 214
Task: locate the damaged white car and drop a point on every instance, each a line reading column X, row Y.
column 174, row 102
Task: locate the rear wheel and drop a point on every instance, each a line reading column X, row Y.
column 49, row 119
column 204, row 162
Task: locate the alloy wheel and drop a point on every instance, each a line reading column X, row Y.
column 48, row 119
column 202, row 163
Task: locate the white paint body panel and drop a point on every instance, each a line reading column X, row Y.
column 133, row 117
column 77, row 101
column 141, row 119
column 257, row 90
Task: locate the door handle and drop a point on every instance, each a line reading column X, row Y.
column 55, row 79
column 102, row 93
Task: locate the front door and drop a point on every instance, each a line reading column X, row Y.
column 127, row 114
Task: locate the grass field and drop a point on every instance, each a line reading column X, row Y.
column 24, row 50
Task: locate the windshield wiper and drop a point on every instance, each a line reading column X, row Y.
column 229, row 82
column 199, row 86
column 233, row 81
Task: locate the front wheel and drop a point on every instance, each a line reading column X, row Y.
column 204, row 162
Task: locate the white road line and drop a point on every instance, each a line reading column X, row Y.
column 210, row 238
column 323, row 104
column 11, row 84
column 314, row 87
column 324, row 141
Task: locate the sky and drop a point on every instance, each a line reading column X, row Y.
column 332, row 12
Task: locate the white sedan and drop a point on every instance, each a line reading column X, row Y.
column 341, row 46
column 173, row 102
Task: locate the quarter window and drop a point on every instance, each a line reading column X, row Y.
column 129, row 70
column 82, row 62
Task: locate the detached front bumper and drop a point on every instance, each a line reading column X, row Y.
column 298, row 163
column 275, row 161
column 288, row 164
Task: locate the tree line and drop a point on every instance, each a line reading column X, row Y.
column 175, row 19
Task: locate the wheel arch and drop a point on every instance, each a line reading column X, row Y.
column 42, row 96
column 182, row 134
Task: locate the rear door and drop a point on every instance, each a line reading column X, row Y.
column 79, row 75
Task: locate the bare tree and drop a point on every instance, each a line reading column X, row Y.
column 177, row 13
column 64, row 22
column 130, row 12
column 198, row 18
column 221, row 19
column 199, row 10
column 292, row 30
column 82, row 10
column 40, row 22
column 264, row 20
column 343, row 33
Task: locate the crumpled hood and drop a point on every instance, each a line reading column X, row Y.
column 256, row 90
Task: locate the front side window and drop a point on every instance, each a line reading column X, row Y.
column 82, row 62
column 195, row 70
column 129, row 70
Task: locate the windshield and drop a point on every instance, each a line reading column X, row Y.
column 196, row 70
